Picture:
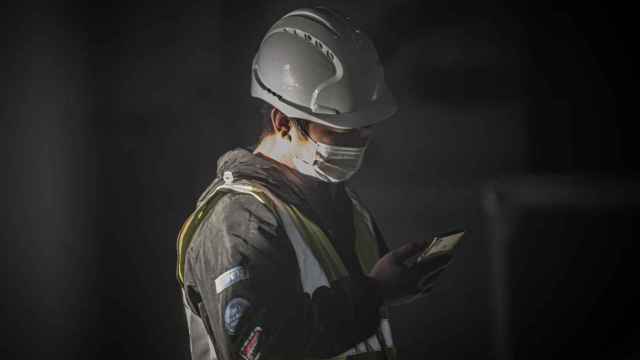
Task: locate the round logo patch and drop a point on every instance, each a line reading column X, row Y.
column 233, row 312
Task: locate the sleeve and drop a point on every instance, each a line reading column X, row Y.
column 383, row 249
column 246, row 277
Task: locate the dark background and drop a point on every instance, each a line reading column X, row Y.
column 115, row 115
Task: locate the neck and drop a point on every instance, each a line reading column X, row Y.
column 275, row 148
column 281, row 151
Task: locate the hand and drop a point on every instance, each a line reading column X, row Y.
column 399, row 283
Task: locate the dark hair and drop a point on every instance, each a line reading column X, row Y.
column 267, row 126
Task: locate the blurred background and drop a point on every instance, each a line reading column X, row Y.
column 515, row 123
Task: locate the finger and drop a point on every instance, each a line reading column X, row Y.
column 435, row 260
column 408, row 250
column 430, row 265
column 430, row 279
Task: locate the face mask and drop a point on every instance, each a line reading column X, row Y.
column 329, row 163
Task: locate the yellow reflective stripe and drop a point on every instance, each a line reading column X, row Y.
column 339, row 357
column 189, row 227
column 391, row 353
column 320, row 245
column 365, row 243
column 366, row 247
column 181, row 248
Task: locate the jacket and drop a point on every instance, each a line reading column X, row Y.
column 241, row 246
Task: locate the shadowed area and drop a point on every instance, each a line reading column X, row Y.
column 116, row 115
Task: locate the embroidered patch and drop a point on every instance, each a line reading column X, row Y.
column 233, row 312
column 231, row 277
column 250, row 348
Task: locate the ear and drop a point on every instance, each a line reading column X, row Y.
column 281, row 123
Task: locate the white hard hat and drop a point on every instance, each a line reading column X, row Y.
column 314, row 64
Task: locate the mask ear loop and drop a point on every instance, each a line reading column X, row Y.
column 310, row 160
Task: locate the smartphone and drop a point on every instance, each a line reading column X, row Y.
column 444, row 242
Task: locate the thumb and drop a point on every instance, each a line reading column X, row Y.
column 408, row 250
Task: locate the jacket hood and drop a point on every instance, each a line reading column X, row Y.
column 287, row 184
column 308, row 194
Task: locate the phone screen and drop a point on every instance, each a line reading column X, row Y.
column 442, row 243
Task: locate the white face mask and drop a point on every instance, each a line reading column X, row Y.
column 329, row 163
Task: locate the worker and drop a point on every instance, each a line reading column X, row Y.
column 281, row 259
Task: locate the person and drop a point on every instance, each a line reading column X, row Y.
column 281, row 259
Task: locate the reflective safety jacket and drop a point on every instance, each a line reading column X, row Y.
column 260, row 279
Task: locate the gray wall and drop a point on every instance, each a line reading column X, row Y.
column 116, row 116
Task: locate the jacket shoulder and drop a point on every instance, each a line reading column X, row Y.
column 239, row 229
column 234, row 217
column 383, row 248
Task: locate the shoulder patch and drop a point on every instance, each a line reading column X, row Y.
column 251, row 347
column 233, row 312
column 231, row 277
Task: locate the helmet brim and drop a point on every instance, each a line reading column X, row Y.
column 380, row 109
